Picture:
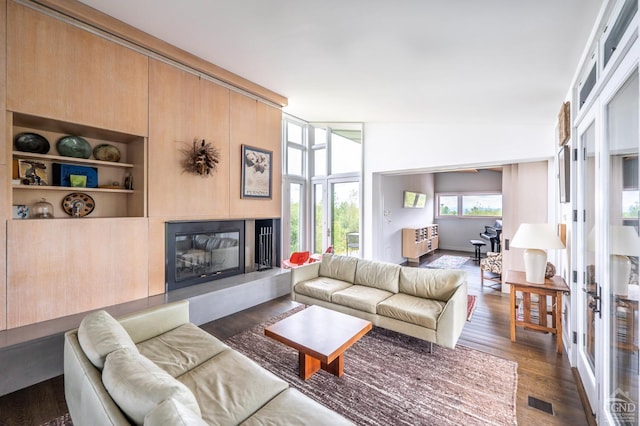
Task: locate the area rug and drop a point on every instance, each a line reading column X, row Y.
column 390, row 378
column 448, row 262
column 471, row 306
column 60, row 421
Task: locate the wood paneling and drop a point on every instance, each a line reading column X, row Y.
column 184, row 107
column 156, row 256
column 4, row 157
column 259, row 125
column 62, row 267
column 111, row 25
column 60, row 71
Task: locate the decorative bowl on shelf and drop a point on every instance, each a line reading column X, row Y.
column 73, row 146
column 78, row 204
column 31, row 142
column 106, row 152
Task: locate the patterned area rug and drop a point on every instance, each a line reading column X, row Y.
column 471, row 306
column 448, row 262
column 390, row 378
column 60, row 421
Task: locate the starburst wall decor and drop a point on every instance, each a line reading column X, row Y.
column 201, row 159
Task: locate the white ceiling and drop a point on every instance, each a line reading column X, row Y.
column 438, row 61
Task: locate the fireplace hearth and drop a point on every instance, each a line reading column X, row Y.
column 202, row 251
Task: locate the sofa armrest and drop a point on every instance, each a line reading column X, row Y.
column 453, row 318
column 86, row 397
column 154, row 321
column 304, row 273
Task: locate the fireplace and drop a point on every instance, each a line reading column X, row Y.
column 197, row 252
column 204, row 251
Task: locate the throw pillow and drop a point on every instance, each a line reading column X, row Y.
column 100, row 334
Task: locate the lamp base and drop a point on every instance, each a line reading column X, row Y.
column 535, row 265
column 620, row 273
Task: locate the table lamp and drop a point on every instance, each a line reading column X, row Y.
column 624, row 242
column 536, row 238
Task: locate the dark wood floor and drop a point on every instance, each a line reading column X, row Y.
column 542, row 373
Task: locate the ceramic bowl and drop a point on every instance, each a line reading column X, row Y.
column 74, row 146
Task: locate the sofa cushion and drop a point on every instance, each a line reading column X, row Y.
column 360, row 297
column 377, row 274
column 137, row 385
column 321, row 288
column 172, row 412
column 412, row 309
column 339, row 267
column 293, row 408
column 100, row 334
column 230, row 387
column 181, row 349
column 438, row 284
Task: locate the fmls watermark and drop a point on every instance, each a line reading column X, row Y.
column 623, row 408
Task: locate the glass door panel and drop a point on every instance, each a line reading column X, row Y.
column 588, row 241
column 345, row 218
column 319, row 222
column 591, row 288
column 623, row 250
column 295, row 218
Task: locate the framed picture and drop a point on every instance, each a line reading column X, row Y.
column 564, row 173
column 256, row 172
column 564, row 123
column 32, row 172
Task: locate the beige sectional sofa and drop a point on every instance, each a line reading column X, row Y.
column 430, row 304
column 156, row 368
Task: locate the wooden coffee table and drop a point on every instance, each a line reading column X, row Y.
column 320, row 336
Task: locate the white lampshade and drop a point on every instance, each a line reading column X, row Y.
column 624, row 240
column 536, row 238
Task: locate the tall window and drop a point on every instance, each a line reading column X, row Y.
column 322, row 184
column 294, row 210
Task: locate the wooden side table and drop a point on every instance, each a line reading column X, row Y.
column 554, row 288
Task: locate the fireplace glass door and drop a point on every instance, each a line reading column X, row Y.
column 200, row 255
column 198, row 252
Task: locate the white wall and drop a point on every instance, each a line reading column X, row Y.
column 395, row 217
column 455, row 233
column 393, row 147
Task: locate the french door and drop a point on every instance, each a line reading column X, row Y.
column 336, row 215
column 621, row 117
column 590, row 286
column 607, row 235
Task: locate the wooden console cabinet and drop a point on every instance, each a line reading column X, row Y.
column 417, row 242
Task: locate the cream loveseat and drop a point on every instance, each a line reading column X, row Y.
column 156, row 368
column 430, row 304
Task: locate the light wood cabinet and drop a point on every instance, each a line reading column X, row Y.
column 60, row 71
column 256, row 124
column 184, row 107
column 62, row 267
column 417, row 242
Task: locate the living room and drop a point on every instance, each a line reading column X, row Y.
column 525, row 148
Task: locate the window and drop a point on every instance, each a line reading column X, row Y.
column 321, row 186
column 448, row 205
column 482, row 205
column 469, row 205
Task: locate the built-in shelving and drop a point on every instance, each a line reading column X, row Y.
column 112, row 197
